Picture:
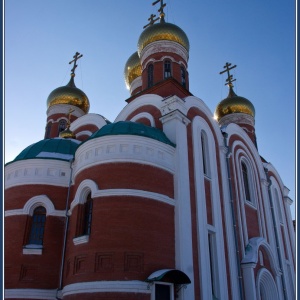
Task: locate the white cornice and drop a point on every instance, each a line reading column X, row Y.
column 124, row 148
column 88, row 119
column 163, row 46
column 37, row 171
column 134, row 286
column 30, row 294
column 237, row 118
column 64, row 109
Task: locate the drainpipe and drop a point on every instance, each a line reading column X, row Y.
column 275, row 231
column 66, row 230
column 225, row 135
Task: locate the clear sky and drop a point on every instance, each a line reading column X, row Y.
column 258, row 36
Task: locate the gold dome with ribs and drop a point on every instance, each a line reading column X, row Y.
column 133, row 69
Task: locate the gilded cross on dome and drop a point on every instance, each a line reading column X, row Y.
column 161, row 9
column 69, row 116
column 76, row 57
column 152, row 20
column 229, row 79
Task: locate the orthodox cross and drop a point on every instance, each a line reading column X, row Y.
column 69, row 116
column 76, row 57
column 161, row 9
column 152, row 20
column 229, row 79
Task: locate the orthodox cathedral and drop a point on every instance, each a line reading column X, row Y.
column 169, row 201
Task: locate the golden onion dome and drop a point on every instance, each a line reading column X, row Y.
column 162, row 31
column 69, row 95
column 133, row 69
column 234, row 104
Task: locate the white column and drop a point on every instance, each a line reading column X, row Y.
column 174, row 126
column 249, row 281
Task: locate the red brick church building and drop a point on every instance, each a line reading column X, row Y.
column 166, row 202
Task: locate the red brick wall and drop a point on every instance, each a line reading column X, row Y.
column 130, row 238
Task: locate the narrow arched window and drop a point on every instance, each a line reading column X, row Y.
column 246, row 182
column 150, row 75
column 62, row 125
column 167, row 69
column 182, row 71
column 279, row 212
column 37, row 228
column 88, row 210
column 205, row 156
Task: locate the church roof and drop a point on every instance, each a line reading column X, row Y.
column 57, row 148
column 132, row 128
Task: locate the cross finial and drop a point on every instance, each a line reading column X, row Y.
column 229, row 79
column 161, row 9
column 69, row 116
column 152, row 20
column 76, row 57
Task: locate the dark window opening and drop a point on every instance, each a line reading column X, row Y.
column 88, row 209
column 38, row 220
column 246, row 181
column 62, row 125
column 167, row 69
column 162, row 292
column 182, row 71
column 150, row 75
column 48, row 130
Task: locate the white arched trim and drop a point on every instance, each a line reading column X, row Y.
column 146, row 116
column 266, row 286
column 149, row 99
column 33, row 203
column 252, row 256
column 84, row 132
column 88, row 119
column 86, row 186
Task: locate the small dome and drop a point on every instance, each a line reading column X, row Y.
column 163, row 31
column 234, row 104
column 133, row 69
column 57, row 148
column 132, row 128
column 69, row 95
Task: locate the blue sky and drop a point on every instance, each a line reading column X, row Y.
column 258, row 36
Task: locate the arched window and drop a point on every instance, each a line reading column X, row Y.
column 150, row 75
column 62, row 125
column 205, row 156
column 279, row 212
column 37, row 226
column 167, row 69
column 182, row 71
column 84, row 220
column 246, row 182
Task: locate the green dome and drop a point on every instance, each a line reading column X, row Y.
column 163, row 31
column 132, row 128
column 57, row 148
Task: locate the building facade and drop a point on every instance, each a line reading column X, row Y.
column 166, row 202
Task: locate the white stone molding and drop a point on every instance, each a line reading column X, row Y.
column 124, row 148
column 199, row 125
column 81, row 240
column 163, row 46
column 146, row 116
column 174, row 126
column 173, row 103
column 37, row 171
column 121, row 192
column 237, row 118
column 30, row 294
column 32, row 204
column 129, row 286
column 137, row 82
column 64, row 109
column 265, row 286
column 83, row 133
column 88, row 119
column 139, row 102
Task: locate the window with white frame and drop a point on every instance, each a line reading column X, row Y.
column 213, row 264
column 246, row 181
column 279, row 212
column 150, row 71
column 167, row 69
column 163, row 291
column 205, row 154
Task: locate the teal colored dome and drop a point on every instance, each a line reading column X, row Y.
column 132, row 128
column 57, row 148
